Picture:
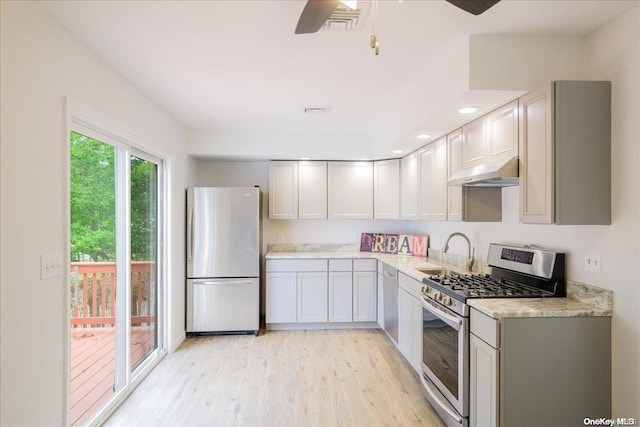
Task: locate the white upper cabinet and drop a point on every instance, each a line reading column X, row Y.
column 536, row 158
column 565, row 154
column 454, row 158
column 312, row 190
column 350, row 191
column 409, row 186
column 386, row 189
column 474, row 144
column 283, row 190
column 502, row 132
column 433, row 181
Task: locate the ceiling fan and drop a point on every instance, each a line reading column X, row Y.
column 316, row 12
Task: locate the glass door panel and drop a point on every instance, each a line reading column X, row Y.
column 144, row 258
column 93, row 276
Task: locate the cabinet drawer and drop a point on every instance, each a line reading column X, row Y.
column 296, row 265
column 364, row 265
column 340, row 265
column 409, row 284
column 485, row 328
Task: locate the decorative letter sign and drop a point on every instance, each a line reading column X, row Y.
column 403, row 244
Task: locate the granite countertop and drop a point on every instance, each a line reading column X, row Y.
column 500, row 308
column 583, row 300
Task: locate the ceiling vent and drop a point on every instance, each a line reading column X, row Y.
column 316, row 109
column 345, row 19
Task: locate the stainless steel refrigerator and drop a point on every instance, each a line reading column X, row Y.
column 223, row 259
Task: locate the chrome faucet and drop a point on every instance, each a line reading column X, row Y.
column 470, row 253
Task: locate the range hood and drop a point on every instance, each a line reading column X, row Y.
column 503, row 173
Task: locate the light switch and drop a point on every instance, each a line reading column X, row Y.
column 50, row 265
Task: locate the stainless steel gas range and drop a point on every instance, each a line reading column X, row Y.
column 516, row 272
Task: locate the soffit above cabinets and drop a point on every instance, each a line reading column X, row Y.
column 235, row 74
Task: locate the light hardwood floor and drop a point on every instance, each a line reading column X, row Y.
column 281, row 378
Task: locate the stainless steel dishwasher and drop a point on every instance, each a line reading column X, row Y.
column 390, row 297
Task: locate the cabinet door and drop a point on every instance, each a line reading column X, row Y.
column 380, row 300
column 433, row 181
column 340, row 296
column 365, row 296
column 405, row 330
column 483, row 383
column 425, row 200
column 312, row 190
column 474, row 144
column 502, row 132
column 281, row 298
column 350, row 194
column 283, row 190
column 454, row 159
column 536, row 158
column 416, row 335
column 409, row 186
column 386, row 189
column 312, row 297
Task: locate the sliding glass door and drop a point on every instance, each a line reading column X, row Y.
column 116, row 266
column 144, row 258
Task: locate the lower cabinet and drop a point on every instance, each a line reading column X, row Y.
column 321, row 291
column 538, row 371
column 340, row 291
column 365, row 296
column 312, row 297
column 410, row 320
column 380, row 297
column 483, row 384
column 281, row 297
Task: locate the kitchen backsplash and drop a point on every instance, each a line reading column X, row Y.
column 313, row 247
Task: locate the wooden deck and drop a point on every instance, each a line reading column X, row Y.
column 93, row 366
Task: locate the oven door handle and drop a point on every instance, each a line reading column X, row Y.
column 433, row 307
column 444, row 406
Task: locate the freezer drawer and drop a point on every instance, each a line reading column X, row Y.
column 223, row 305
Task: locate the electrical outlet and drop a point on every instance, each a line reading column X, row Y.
column 280, row 238
column 593, row 262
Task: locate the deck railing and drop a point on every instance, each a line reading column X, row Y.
column 93, row 293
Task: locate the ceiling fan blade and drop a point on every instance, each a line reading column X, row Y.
column 314, row 15
column 475, row 7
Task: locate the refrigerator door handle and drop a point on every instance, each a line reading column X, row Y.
column 223, row 282
column 190, row 234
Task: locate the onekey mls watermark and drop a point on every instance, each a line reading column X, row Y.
column 610, row 421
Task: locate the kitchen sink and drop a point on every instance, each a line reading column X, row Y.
column 436, row 271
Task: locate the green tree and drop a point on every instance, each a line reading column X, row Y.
column 92, row 199
column 93, row 207
column 144, row 180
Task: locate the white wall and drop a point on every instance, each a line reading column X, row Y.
column 612, row 53
column 40, row 65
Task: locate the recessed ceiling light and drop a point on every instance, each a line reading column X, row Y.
column 423, row 136
column 364, row 159
column 467, row 110
column 397, row 151
column 305, row 158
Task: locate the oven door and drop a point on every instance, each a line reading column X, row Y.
column 445, row 361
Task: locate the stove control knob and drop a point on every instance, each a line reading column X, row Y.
column 447, row 301
column 426, row 289
column 438, row 296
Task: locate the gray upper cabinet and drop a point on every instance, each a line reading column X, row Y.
column 565, row 154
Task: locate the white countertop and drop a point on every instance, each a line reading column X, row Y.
column 494, row 307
